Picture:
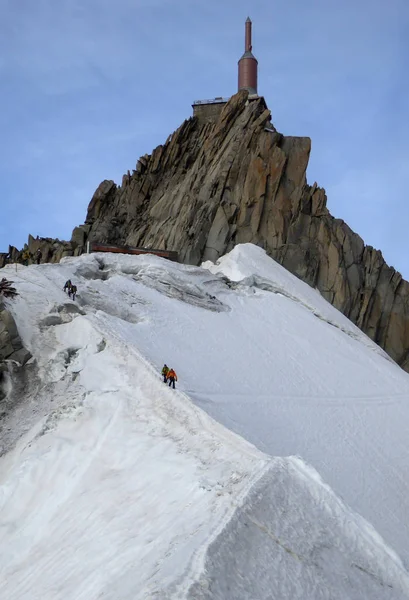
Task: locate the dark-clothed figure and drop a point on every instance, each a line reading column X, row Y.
column 39, row 256
column 73, row 291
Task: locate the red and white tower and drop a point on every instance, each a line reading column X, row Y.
column 248, row 64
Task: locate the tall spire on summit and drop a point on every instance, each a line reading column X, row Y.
column 248, row 64
column 247, row 45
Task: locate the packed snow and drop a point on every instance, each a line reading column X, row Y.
column 276, row 470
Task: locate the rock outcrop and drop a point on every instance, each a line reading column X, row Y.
column 11, row 346
column 214, row 185
column 52, row 250
column 12, row 350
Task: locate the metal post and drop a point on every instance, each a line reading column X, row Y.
column 247, row 42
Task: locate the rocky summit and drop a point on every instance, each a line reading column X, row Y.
column 234, row 179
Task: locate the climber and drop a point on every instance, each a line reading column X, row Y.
column 165, row 372
column 67, row 286
column 73, row 291
column 172, row 377
column 26, row 257
column 39, row 256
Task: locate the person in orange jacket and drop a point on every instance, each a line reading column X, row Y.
column 172, row 377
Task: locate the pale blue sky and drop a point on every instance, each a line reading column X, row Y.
column 87, row 86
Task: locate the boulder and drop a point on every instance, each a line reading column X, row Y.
column 21, row 356
column 11, row 346
column 79, row 235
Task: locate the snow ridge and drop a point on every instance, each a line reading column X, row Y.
column 116, row 486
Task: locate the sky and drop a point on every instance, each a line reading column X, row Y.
column 88, row 86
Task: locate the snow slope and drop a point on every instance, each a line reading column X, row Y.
column 116, row 487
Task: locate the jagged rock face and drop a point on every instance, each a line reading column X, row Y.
column 200, row 193
column 52, row 250
column 237, row 180
column 213, row 185
column 11, row 348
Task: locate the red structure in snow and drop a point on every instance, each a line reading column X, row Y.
column 248, row 64
column 96, row 247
